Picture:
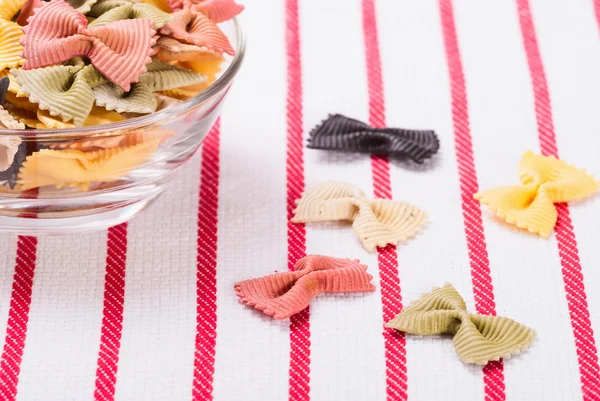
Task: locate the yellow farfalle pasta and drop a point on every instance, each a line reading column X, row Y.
column 74, row 168
column 10, row 8
column 377, row 222
column 477, row 338
column 21, row 102
column 52, row 122
column 160, row 4
column 10, row 48
column 114, row 141
column 100, row 115
column 546, row 181
column 27, row 117
column 10, row 34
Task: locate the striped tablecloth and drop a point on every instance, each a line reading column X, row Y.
column 147, row 311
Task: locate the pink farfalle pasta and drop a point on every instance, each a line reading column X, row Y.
column 66, row 64
column 27, row 11
column 217, row 10
column 195, row 28
column 282, row 295
column 119, row 50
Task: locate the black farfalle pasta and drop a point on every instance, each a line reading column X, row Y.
column 4, row 83
column 10, row 175
column 339, row 132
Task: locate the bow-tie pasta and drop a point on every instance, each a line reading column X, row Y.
column 477, row 338
column 66, row 64
column 217, row 10
column 346, row 134
column 377, row 222
column 10, row 35
column 283, row 294
column 119, row 50
column 546, row 181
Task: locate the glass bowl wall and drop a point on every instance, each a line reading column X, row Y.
column 111, row 187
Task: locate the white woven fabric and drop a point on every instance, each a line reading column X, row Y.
column 347, row 351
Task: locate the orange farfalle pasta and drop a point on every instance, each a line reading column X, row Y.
column 74, row 168
column 197, row 29
column 377, row 222
column 119, row 50
column 282, row 295
column 546, row 181
column 107, row 142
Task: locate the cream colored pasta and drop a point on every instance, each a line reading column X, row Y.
column 377, row 222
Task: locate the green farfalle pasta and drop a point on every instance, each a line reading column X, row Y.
column 63, row 90
column 139, row 100
column 83, row 6
column 160, row 76
column 164, row 76
column 477, row 338
column 107, row 14
column 102, row 6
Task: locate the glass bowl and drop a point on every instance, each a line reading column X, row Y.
column 79, row 181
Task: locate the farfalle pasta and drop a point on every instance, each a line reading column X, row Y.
column 170, row 49
column 140, row 99
column 217, row 10
column 127, row 11
column 9, row 145
column 195, row 28
column 10, row 35
column 546, row 180
column 115, row 141
column 8, row 121
column 377, row 222
column 66, row 64
column 341, row 133
column 282, row 295
column 119, row 50
column 83, row 6
column 74, row 168
column 63, row 90
column 477, row 338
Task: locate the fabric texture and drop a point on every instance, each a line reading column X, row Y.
column 148, row 311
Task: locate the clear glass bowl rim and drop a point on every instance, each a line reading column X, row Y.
column 154, row 118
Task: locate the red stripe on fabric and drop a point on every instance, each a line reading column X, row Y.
column 387, row 258
column 112, row 315
column 585, row 345
column 483, row 290
column 299, row 372
column 206, row 279
column 18, row 315
column 597, row 10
